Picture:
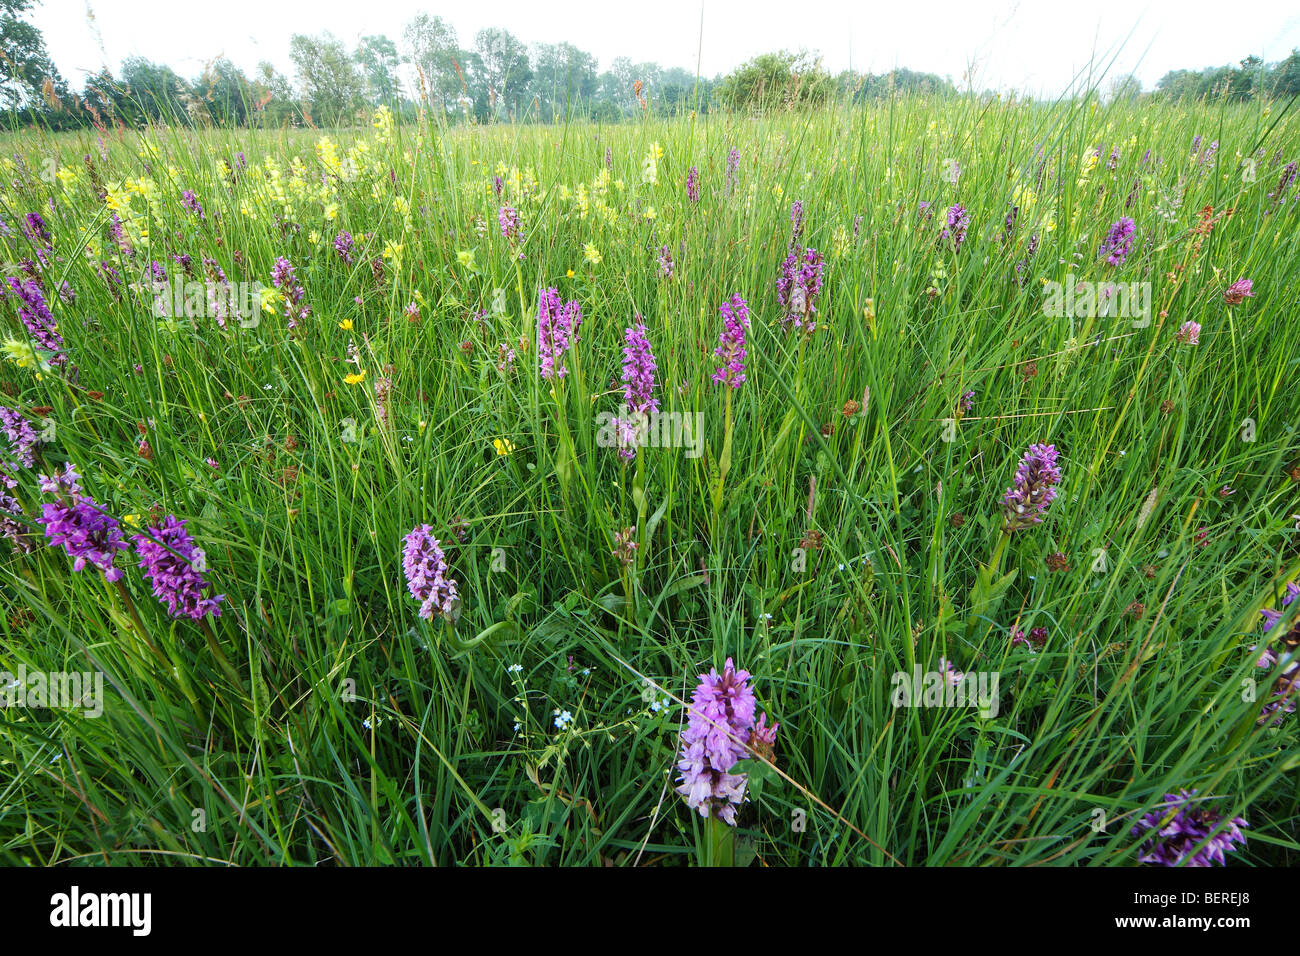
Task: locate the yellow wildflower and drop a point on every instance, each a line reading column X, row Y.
column 268, row 294
column 21, row 353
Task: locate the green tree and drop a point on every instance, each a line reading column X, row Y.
column 628, row 75
column 27, row 75
column 328, row 78
column 564, row 78
column 226, row 92
column 1284, row 80
column 503, row 69
column 156, row 93
column 782, row 80
column 273, row 101
column 431, row 46
column 1125, row 89
column 377, row 57
column 609, row 98
column 676, row 91
column 1179, row 84
column 1241, row 84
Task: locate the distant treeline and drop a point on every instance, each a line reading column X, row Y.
column 1252, row 77
column 498, row 78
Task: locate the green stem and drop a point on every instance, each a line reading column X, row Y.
column 724, row 460
column 138, row 625
column 719, row 843
column 215, row 649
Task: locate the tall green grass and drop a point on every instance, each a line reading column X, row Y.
column 303, row 530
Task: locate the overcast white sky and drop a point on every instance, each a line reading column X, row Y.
column 1031, row 46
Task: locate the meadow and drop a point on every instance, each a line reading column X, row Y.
column 858, row 328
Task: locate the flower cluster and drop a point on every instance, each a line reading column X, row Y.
column 508, row 220
column 1119, row 241
column 218, row 291
column 731, row 343
column 1271, row 616
column 190, row 203
column 383, row 390
column 721, row 730
column 283, row 278
column 505, row 358
column 174, row 566
column 36, row 316
column 1179, row 833
column 1284, row 183
column 1034, row 641
column 16, row 531
column 38, row 233
column 21, row 439
column 1235, row 294
column 1026, row 501
column 665, row 263
column 118, row 231
column 75, row 523
column 733, row 169
column 426, row 570
column 958, row 223
column 650, row 164
column 693, row 185
column 1009, row 224
column 625, row 546
column 797, row 289
column 638, row 387
column 1189, row 333
column 557, row 331
column 1286, row 688
column 638, row 369
column 34, row 228
column 343, row 246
